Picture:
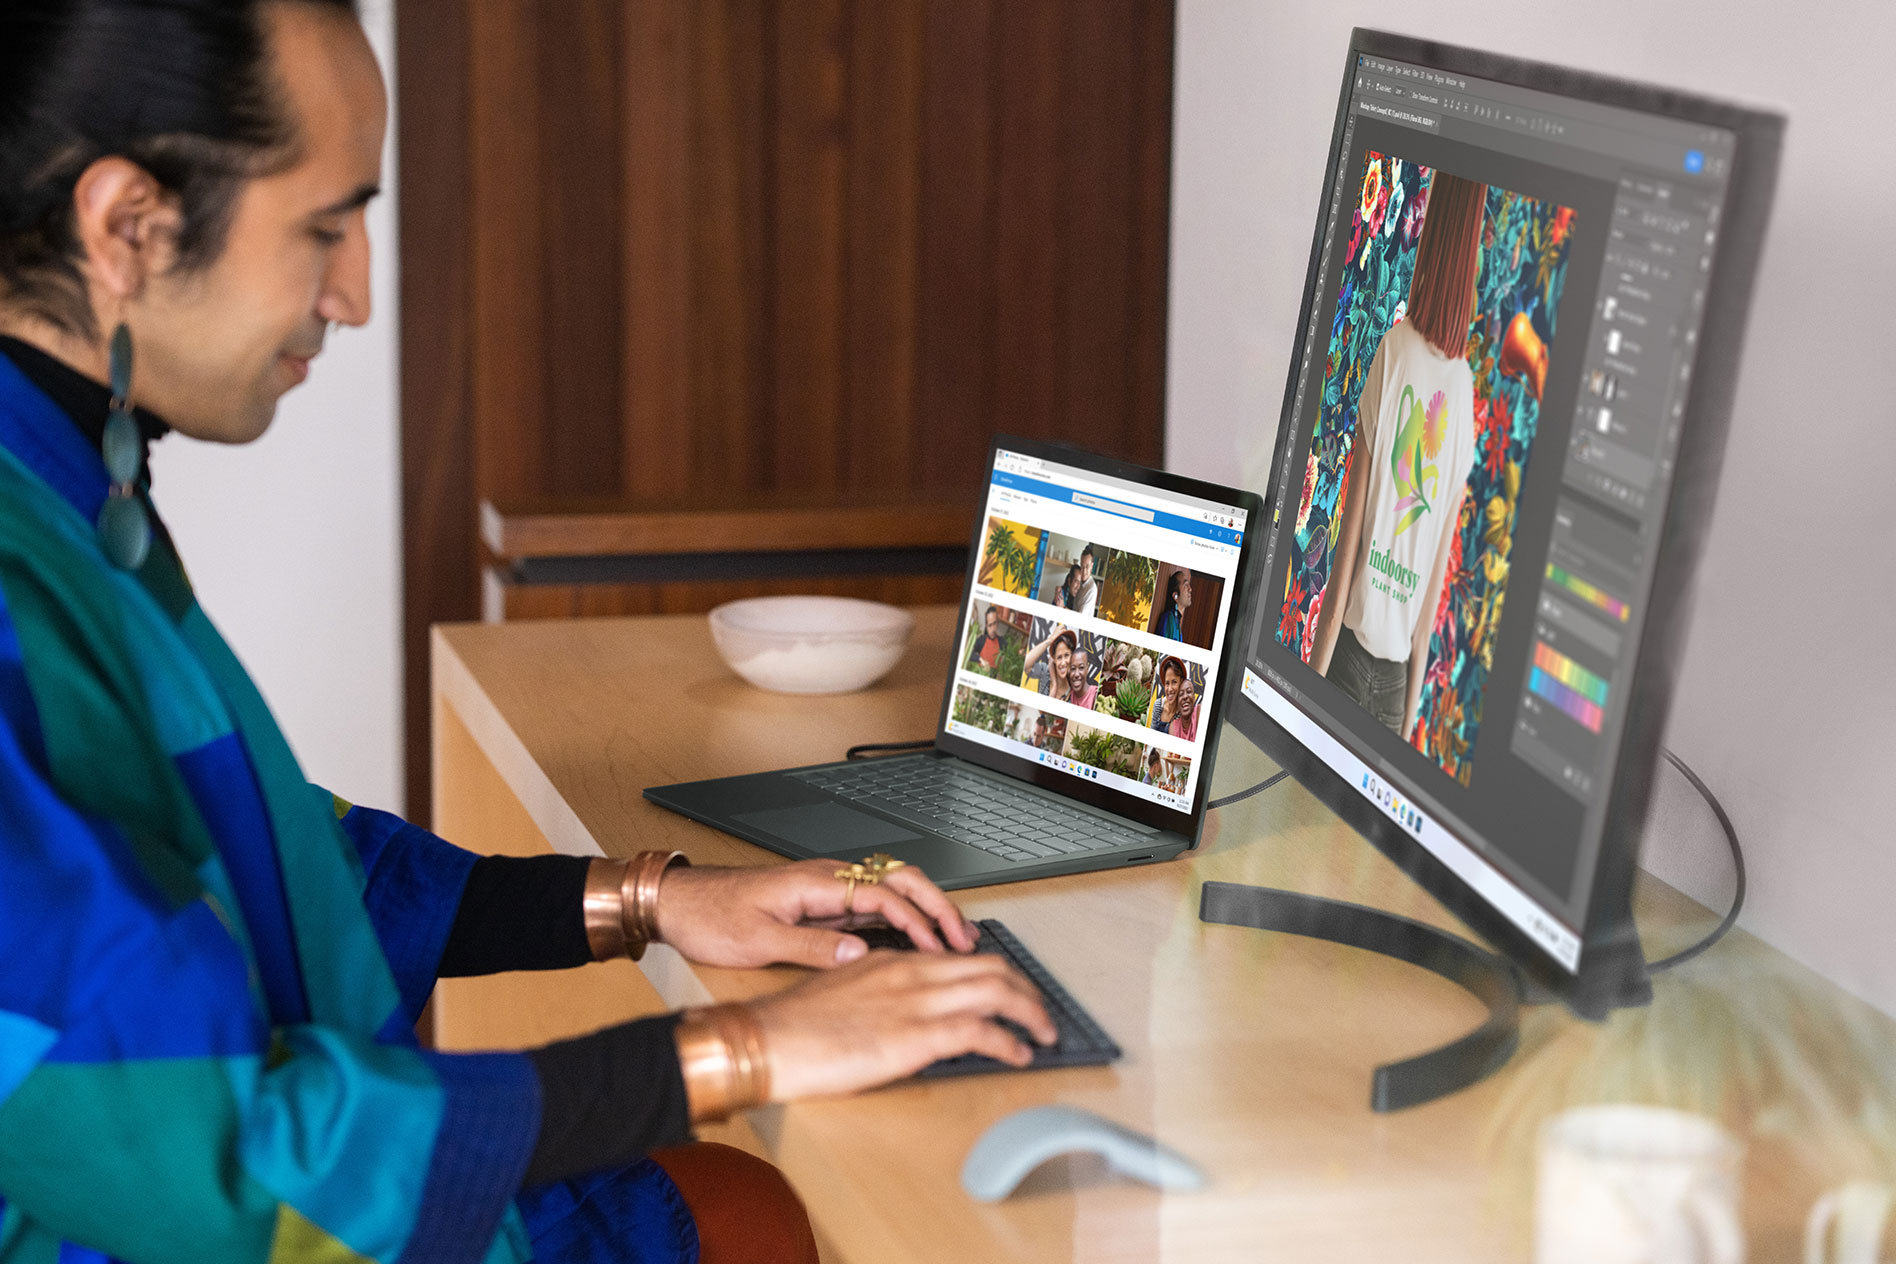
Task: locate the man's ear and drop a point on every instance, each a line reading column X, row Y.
column 126, row 224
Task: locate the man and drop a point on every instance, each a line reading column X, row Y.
column 1086, row 591
column 210, row 971
column 1178, row 599
column 987, row 646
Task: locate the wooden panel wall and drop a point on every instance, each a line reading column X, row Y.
column 823, row 245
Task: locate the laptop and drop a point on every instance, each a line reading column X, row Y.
column 1088, row 677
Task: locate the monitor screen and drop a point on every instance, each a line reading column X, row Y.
column 1095, row 627
column 1478, row 448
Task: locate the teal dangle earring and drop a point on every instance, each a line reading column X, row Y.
column 124, row 522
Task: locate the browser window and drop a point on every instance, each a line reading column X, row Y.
column 1095, row 626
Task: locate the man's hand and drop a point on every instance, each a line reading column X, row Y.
column 892, row 1014
column 794, row 913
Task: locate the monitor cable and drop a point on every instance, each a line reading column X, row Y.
column 1247, row 792
column 1737, row 865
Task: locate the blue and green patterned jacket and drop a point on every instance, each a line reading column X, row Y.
column 210, row 970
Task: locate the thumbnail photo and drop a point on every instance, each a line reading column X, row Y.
column 1185, row 605
column 996, row 642
column 1165, row 771
column 1040, row 730
column 1445, row 323
column 1178, row 698
column 1010, row 559
column 1064, row 662
column 1071, row 576
column 1126, row 598
column 985, row 711
column 1107, row 751
column 1122, row 686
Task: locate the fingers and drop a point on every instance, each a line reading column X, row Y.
column 998, row 997
column 890, row 1014
column 809, row 946
column 895, row 909
column 935, row 904
column 982, row 986
column 908, row 901
column 979, row 1035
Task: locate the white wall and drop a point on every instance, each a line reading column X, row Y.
column 294, row 542
column 1787, row 704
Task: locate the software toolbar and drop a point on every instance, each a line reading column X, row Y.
column 1634, row 384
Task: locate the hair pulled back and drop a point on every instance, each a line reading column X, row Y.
column 183, row 88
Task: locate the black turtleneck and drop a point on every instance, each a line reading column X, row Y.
column 83, row 400
column 606, row 1098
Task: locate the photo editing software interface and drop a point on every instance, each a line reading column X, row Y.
column 1485, row 411
column 1095, row 626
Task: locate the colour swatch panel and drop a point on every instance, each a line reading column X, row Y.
column 1610, row 606
column 1569, row 686
column 1569, row 673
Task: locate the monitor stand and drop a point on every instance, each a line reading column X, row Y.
column 1495, row 980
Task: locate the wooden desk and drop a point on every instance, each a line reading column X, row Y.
column 1250, row 1052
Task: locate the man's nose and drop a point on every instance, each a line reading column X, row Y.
column 345, row 297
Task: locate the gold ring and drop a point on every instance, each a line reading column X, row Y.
column 869, row 871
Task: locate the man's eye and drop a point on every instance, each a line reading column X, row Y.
column 328, row 236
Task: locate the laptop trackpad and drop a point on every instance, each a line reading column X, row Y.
column 828, row 827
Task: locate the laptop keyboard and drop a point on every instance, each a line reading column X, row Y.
column 1080, row 1041
column 990, row 813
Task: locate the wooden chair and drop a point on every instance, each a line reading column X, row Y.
column 570, row 558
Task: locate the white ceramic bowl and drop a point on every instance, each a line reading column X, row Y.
column 810, row 644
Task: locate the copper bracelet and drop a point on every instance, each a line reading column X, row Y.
column 640, row 904
column 604, row 907
column 721, row 1058
column 621, row 903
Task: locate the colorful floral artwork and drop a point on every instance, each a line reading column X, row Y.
column 1522, row 272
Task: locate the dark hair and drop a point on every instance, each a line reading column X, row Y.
column 1442, row 288
column 1088, row 552
column 1171, row 587
column 183, row 88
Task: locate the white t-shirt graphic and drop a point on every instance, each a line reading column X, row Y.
column 1417, row 419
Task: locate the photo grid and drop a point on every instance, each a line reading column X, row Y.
column 1095, row 657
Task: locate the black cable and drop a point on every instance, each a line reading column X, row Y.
column 1738, row 868
column 872, row 748
column 1246, row 793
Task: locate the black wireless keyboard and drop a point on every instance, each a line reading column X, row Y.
column 1080, row 1043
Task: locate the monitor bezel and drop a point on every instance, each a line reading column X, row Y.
column 1611, row 966
column 1189, row 823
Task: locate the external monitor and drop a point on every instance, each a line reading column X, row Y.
column 1494, row 469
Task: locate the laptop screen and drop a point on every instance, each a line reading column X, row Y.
column 1095, row 627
